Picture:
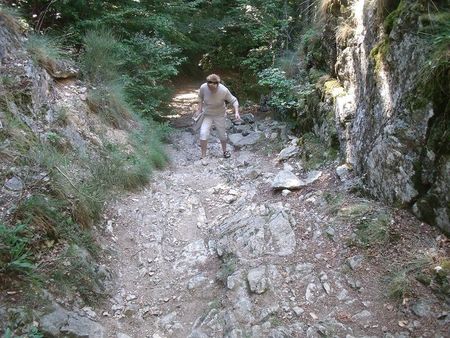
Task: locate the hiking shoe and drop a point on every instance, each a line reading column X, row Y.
column 204, row 161
column 226, row 154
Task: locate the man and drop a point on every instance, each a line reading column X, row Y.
column 213, row 97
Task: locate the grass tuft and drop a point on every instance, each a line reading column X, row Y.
column 75, row 271
column 14, row 251
column 435, row 73
column 110, row 104
column 344, row 32
column 398, row 285
column 46, row 51
column 11, row 18
column 101, row 59
column 373, row 230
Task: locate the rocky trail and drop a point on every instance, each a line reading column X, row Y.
column 257, row 246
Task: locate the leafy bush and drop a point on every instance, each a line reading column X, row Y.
column 149, row 63
column 312, row 50
column 281, row 89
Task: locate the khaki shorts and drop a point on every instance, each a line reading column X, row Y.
column 219, row 123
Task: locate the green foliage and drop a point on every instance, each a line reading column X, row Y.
column 18, row 133
column 101, row 58
column 115, row 170
column 312, row 49
column 10, row 17
column 147, row 142
column 61, row 116
column 14, row 249
column 399, row 286
column 372, row 227
column 394, row 15
column 281, row 89
column 51, row 220
column 435, row 73
column 149, row 64
column 20, row 324
column 379, row 53
column 45, row 50
column 334, row 201
column 373, row 230
column 399, row 282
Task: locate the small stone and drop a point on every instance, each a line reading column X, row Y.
column 330, row 232
column 313, row 315
column 131, row 297
column 14, row 184
column 122, row 335
column 327, row 287
column 298, row 310
column 355, row 261
column 420, row 308
column 285, row 192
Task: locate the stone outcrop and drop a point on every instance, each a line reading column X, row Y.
column 391, row 131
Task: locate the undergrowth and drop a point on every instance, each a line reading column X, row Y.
column 431, row 270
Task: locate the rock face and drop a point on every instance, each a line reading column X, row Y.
column 390, row 129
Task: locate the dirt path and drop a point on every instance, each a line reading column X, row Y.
column 212, row 251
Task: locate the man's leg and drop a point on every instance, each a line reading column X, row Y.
column 224, row 145
column 204, row 134
column 220, row 123
column 203, row 146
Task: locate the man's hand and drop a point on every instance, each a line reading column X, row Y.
column 237, row 116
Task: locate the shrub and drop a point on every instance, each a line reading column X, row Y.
column 281, row 90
